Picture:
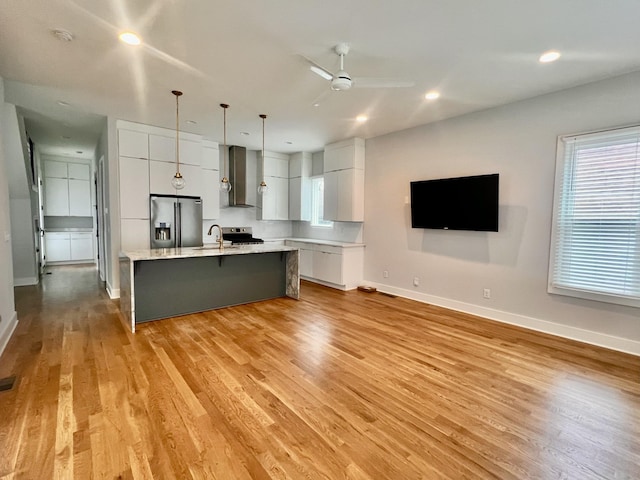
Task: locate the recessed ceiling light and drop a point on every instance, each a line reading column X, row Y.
column 289, row 143
column 316, row 104
column 62, row 103
column 362, row 118
column 130, row 38
column 78, row 151
column 62, row 34
column 192, row 122
column 246, row 134
column 432, row 95
column 550, row 56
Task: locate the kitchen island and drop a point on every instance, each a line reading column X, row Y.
column 167, row 282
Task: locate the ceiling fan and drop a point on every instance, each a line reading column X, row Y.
column 341, row 80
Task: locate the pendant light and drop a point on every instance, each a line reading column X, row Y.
column 177, row 181
column 262, row 188
column 225, row 185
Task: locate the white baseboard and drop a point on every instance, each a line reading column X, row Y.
column 25, row 281
column 7, row 330
column 573, row 333
column 113, row 292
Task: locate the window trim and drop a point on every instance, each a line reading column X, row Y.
column 561, row 160
column 323, row 223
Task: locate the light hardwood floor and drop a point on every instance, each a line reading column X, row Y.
column 334, row 386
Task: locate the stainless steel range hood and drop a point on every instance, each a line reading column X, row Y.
column 240, row 174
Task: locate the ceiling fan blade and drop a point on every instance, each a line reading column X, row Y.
column 321, row 71
column 381, row 82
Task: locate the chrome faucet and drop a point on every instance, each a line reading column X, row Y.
column 220, row 241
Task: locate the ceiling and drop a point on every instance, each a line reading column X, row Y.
column 252, row 54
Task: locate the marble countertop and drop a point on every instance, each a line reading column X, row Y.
column 327, row 242
column 205, row 251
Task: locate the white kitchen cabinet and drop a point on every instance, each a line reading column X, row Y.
column 160, row 175
column 332, row 265
column 81, row 246
column 300, row 186
column 300, row 199
column 134, row 188
column 305, row 263
column 210, row 194
column 133, row 144
column 55, row 169
column 67, row 189
column 163, row 148
column 79, row 171
column 344, row 195
column 275, row 201
column 193, row 181
column 274, row 204
column 56, row 197
column 210, row 156
column 57, row 247
column 134, row 234
column 327, row 265
column 345, row 154
column 79, row 198
column 344, row 181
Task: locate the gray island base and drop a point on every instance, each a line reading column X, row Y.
column 163, row 283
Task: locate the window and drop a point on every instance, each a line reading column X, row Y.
column 595, row 250
column 317, row 203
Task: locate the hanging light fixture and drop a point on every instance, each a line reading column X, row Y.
column 225, row 185
column 177, row 181
column 262, row 188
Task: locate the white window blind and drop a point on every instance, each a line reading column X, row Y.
column 596, row 232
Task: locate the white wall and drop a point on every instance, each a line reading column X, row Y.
column 25, row 271
column 519, row 142
column 8, row 316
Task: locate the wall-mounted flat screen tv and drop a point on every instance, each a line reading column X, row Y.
column 462, row 203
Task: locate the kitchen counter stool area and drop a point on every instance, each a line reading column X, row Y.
column 163, row 283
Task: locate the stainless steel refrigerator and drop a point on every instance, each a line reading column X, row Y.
column 176, row 221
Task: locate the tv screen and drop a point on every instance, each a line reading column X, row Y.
column 463, row 203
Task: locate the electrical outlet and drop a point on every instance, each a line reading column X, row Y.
column 385, row 274
column 486, row 293
column 416, row 281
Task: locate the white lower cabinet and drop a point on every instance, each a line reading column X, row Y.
column 57, row 247
column 81, row 246
column 68, row 247
column 337, row 266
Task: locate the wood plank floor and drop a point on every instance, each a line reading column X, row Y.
column 338, row 385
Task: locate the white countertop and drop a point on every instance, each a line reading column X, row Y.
column 206, row 251
column 326, row 242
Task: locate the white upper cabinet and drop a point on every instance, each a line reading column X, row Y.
column 79, row 171
column 344, row 181
column 134, row 188
column 163, row 149
column 300, row 186
column 210, row 156
column 56, row 197
column 79, row 198
column 274, row 204
column 343, row 155
column 210, row 194
column 133, row 144
column 67, row 189
column 55, row 169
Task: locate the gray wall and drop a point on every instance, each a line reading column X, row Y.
column 8, row 317
column 519, row 142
